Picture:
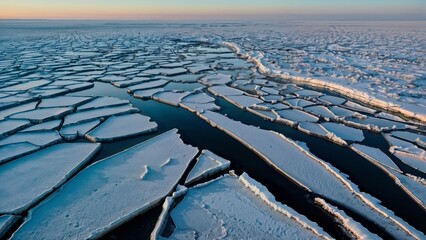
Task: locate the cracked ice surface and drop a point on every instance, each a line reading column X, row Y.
column 117, row 188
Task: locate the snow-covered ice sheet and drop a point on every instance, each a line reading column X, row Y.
column 111, row 191
column 32, row 177
column 216, row 79
column 412, row 137
column 207, row 164
column 101, row 102
column 63, row 101
column 85, row 116
column 15, row 150
column 118, row 127
column 249, row 212
column 72, row 132
column 12, row 125
column 170, row 97
column 309, row 172
column 51, row 125
column 374, row 155
column 40, row 115
column 344, row 132
column 39, row 138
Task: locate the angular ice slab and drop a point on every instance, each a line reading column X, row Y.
column 148, row 93
column 11, row 125
column 147, row 85
column 6, row 222
column 39, row 138
column 412, row 137
column 15, row 150
column 101, row 102
column 72, row 132
column 216, row 79
column 170, row 97
column 111, row 191
column 199, row 102
column 320, row 111
column 223, row 90
column 344, row 132
column 293, row 116
column 374, row 155
column 402, row 147
column 332, row 100
column 243, row 101
column 207, row 164
column 88, row 115
column 311, row 173
column 235, row 208
column 40, row 115
column 32, row 177
column 118, row 127
column 51, row 125
column 20, row 108
column 63, row 101
column 314, row 129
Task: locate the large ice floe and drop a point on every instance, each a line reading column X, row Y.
column 311, row 173
column 117, row 188
column 233, row 207
column 44, row 171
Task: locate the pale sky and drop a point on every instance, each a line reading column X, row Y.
column 208, row 9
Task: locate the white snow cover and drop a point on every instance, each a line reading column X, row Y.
column 309, row 172
column 118, row 127
column 320, row 111
column 207, row 164
column 199, row 102
column 358, row 93
column 111, row 191
column 332, row 100
column 374, row 155
column 15, row 150
column 402, row 147
column 344, row 132
column 249, row 212
column 6, row 222
column 242, row 101
column 32, row 177
column 352, row 227
column 314, row 129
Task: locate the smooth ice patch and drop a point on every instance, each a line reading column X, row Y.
column 344, row 132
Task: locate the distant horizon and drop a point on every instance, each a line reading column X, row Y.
column 213, row 10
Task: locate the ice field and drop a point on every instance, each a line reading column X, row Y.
column 132, row 130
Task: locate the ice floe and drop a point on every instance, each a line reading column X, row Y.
column 374, row 155
column 344, row 132
column 14, row 150
column 72, row 132
column 39, row 138
column 207, row 164
column 118, row 127
column 11, row 125
column 249, row 211
column 311, row 173
column 117, row 188
column 40, row 115
column 44, row 171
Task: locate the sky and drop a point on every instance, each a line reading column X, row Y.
column 212, row 9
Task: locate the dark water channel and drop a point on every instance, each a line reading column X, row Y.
column 198, row 133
